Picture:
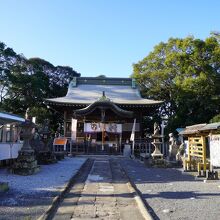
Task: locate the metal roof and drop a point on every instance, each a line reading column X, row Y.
column 9, row 118
column 86, row 90
column 212, row 126
column 193, row 129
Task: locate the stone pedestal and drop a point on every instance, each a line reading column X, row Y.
column 157, row 144
column 26, row 164
column 60, row 155
column 157, row 153
column 46, row 157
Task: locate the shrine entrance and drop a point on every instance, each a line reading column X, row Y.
column 103, row 138
column 103, row 126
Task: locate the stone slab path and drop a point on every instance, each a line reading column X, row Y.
column 104, row 195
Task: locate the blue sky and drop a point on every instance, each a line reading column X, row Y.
column 101, row 36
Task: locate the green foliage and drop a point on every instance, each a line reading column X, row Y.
column 216, row 118
column 25, row 83
column 101, row 76
column 184, row 73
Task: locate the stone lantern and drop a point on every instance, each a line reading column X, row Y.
column 157, row 156
column 26, row 164
column 46, row 155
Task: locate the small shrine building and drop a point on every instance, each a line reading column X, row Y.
column 99, row 112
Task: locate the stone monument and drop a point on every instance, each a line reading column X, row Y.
column 173, row 148
column 157, row 142
column 26, row 163
column 176, row 150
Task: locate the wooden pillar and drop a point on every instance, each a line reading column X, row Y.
column 141, row 125
column 204, row 154
column 103, row 127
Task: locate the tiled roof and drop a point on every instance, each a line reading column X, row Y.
column 86, row 90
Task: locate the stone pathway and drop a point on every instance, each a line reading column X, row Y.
column 104, row 195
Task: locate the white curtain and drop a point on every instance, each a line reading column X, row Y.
column 98, row 127
column 73, row 129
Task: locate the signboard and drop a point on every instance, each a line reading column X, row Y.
column 99, row 127
column 215, row 150
column 60, row 141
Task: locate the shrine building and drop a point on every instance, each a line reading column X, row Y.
column 99, row 113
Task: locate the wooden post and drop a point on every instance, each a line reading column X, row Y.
column 103, row 125
column 103, row 135
column 204, row 154
column 65, row 118
column 120, row 141
column 188, row 165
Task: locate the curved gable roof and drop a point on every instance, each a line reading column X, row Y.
column 87, row 90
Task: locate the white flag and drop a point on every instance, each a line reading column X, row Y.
column 73, row 129
column 133, row 131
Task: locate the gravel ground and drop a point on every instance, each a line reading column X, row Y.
column 29, row 196
column 175, row 195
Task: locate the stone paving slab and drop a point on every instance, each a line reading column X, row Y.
column 105, row 195
column 174, row 195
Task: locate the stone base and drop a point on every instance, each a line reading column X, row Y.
column 46, row 157
column 173, row 163
column 160, row 163
column 59, row 155
column 212, row 175
column 26, row 164
column 157, row 156
column 4, row 187
column 152, row 162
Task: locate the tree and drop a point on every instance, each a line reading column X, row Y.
column 216, row 118
column 8, row 59
column 184, row 73
column 25, row 83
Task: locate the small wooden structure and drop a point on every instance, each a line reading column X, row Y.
column 196, row 155
column 197, row 146
column 197, row 151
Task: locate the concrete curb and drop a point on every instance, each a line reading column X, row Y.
column 48, row 214
column 138, row 197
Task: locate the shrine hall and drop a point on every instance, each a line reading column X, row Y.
column 99, row 113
